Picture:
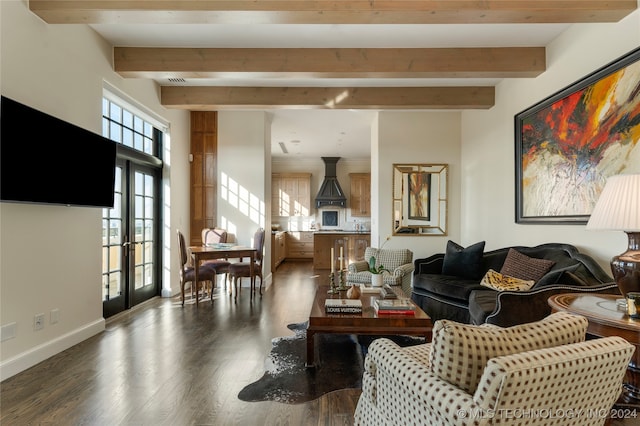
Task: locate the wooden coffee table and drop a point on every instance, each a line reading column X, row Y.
column 366, row 323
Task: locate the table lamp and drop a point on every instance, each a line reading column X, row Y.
column 618, row 209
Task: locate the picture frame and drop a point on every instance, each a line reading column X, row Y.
column 419, row 192
column 567, row 145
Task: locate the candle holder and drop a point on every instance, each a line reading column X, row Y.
column 343, row 283
column 332, row 284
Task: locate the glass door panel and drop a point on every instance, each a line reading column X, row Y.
column 130, row 255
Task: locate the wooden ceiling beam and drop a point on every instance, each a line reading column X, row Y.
column 207, row 98
column 158, row 63
column 329, row 12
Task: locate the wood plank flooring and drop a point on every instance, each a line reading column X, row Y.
column 163, row 364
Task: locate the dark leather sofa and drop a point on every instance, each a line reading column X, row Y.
column 465, row 300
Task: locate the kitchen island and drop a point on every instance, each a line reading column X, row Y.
column 353, row 245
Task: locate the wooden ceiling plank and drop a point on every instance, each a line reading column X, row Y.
column 207, row 98
column 329, row 12
column 518, row 62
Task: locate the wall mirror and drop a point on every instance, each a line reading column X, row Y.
column 420, row 199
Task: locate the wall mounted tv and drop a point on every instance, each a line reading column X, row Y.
column 46, row 160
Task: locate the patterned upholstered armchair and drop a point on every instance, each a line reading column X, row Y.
column 535, row 373
column 399, row 262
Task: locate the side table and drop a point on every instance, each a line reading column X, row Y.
column 605, row 319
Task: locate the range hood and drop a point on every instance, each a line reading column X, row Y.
column 330, row 193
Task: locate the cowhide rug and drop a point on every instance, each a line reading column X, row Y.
column 339, row 365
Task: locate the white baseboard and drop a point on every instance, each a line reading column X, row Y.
column 39, row 353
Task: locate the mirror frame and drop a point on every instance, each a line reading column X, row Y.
column 424, row 213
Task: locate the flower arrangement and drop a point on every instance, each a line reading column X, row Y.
column 372, row 261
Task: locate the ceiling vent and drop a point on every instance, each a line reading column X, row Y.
column 177, row 80
column 283, row 148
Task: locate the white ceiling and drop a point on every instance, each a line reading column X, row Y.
column 328, row 132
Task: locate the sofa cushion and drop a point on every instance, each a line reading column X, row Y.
column 446, row 286
column 521, row 266
column 460, row 352
column 500, row 282
column 463, row 262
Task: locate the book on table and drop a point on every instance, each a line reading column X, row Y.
column 399, row 306
column 385, row 292
column 343, row 306
column 368, row 288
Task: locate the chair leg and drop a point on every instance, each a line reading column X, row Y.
column 182, row 292
column 213, row 286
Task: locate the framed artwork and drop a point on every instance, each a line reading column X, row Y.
column 570, row 143
column 419, row 187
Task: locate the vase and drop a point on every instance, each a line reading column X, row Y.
column 353, row 292
column 376, row 280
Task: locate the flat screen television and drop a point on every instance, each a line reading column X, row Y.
column 47, row 160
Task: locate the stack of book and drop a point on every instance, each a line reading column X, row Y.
column 343, row 306
column 383, row 292
column 399, row 306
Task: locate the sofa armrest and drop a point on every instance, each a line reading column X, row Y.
column 518, row 307
column 358, row 266
column 399, row 378
column 403, row 270
column 429, row 265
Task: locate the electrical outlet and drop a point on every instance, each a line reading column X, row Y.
column 38, row 322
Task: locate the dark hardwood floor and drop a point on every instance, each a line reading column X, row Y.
column 163, row 364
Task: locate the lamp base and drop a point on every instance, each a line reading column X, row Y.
column 626, row 267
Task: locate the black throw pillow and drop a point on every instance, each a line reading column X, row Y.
column 463, row 262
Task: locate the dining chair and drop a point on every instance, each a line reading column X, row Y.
column 210, row 237
column 187, row 271
column 243, row 269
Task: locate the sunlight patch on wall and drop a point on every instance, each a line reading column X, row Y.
column 241, row 199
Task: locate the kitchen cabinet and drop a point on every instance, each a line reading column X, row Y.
column 360, row 198
column 291, row 194
column 278, row 249
column 299, row 245
column 353, row 246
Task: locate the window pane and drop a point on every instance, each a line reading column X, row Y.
column 114, row 132
column 138, row 126
column 127, row 119
column 127, row 137
column 115, row 112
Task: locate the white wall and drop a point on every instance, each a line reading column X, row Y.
column 50, row 256
column 415, row 138
column 488, row 153
column 244, row 176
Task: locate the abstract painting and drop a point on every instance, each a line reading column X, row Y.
column 419, row 195
column 570, row 143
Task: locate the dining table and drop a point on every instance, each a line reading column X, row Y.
column 221, row 251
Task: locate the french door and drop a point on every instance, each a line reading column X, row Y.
column 131, row 238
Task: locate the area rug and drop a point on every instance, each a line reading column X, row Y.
column 339, row 359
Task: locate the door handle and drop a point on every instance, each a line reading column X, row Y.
column 130, row 243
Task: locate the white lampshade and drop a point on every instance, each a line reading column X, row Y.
column 618, row 208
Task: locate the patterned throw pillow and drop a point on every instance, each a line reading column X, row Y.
column 460, row 352
column 463, row 262
column 521, row 266
column 500, row 282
